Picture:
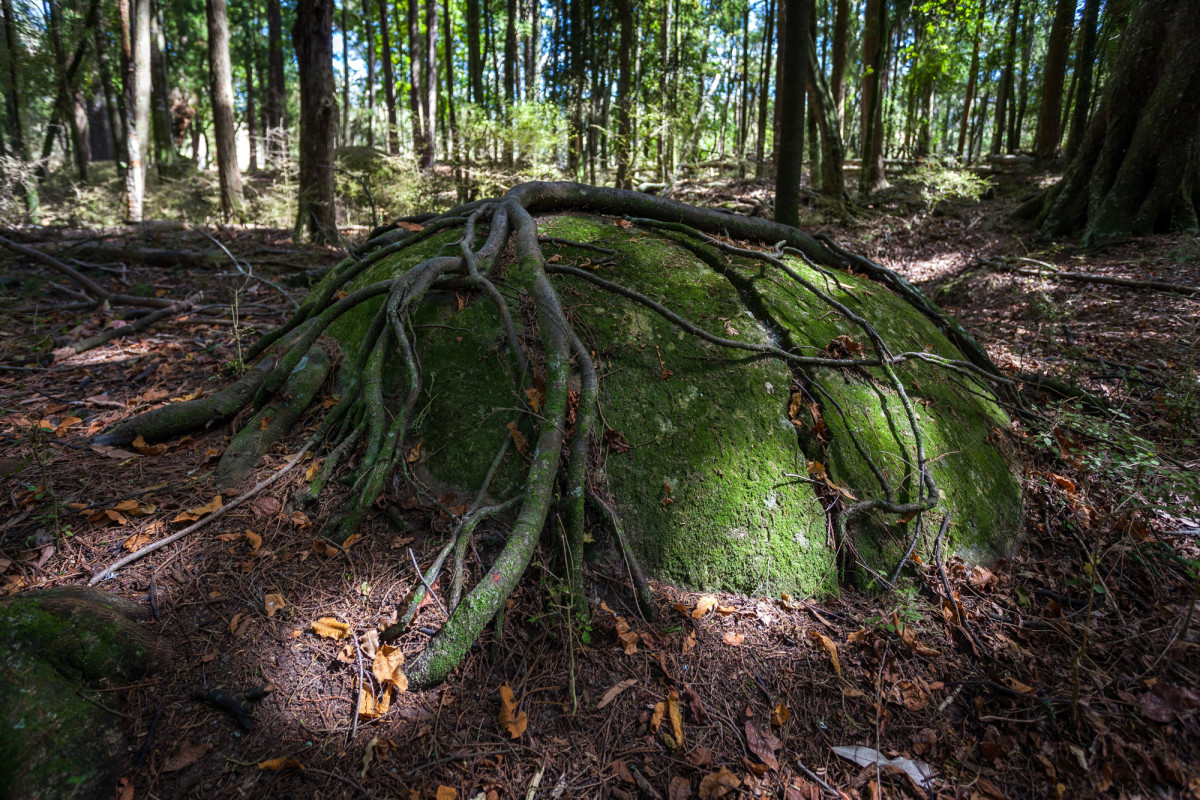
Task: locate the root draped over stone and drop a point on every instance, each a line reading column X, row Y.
column 557, row 385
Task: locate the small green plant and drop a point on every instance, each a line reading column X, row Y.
column 940, row 183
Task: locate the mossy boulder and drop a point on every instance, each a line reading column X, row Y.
column 57, row 740
column 702, row 451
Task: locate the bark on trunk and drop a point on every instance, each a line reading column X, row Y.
column 1136, row 170
column 1049, row 134
column 789, row 91
column 875, row 38
column 430, row 104
column 624, row 78
column 1085, row 56
column 312, row 37
column 369, row 46
column 221, row 97
column 392, row 138
column 760, row 155
column 474, row 53
column 276, row 105
column 972, row 82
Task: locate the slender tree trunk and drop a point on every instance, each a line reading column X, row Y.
column 812, row 132
column 875, row 40
column 1005, row 90
column 111, row 103
column 1049, row 134
column 392, row 137
column 451, row 147
column 1085, row 56
column 624, row 78
column 429, row 54
column 416, row 79
column 972, row 81
column 760, row 168
column 133, row 17
column 345, row 77
column 789, row 91
column 837, row 71
column 510, row 77
column 312, row 37
column 369, row 46
column 160, row 93
column 825, row 111
column 276, row 102
column 251, row 129
column 474, row 54
column 533, row 9
column 66, row 94
column 1018, row 120
column 221, row 95
column 16, row 115
column 743, row 117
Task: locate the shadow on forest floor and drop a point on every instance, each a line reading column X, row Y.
column 1065, row 672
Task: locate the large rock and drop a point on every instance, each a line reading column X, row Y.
column 56, row 739
column 703, row 487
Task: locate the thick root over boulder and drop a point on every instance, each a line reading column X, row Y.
column 787, row 411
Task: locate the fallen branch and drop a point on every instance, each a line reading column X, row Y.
column 83, row 345
column 1081, row 277
column 93, row 289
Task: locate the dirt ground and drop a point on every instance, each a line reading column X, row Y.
column 1068, row 671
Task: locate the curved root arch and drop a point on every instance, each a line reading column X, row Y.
column 362, row 419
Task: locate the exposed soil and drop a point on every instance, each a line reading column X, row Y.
column 1068, row 671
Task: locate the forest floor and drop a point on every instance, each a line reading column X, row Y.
column 1068, row 671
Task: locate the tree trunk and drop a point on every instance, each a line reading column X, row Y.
column 369, row 46
column 1049, row 134
column 276, row 102
column 1018, row 120
column 312, row 37
column 743, row 117
column 533, row 12
column 789, row 92
column 824, row 110
column 760, row 167
column 76, row 123
column 392, row 137
column 221, row 97
column 1137, row 169
column 474, row 54
column 510, row 78
column 251, row 125
column 345, row 77
column 624, row 78
column 112, row 105
column 1085, row 56
column 451, row 147
column 1005, row 90
column 972, row 83
column 160, row 91
column 837, row 74
column 135, row 46
column 875, row 37
column 430, row 100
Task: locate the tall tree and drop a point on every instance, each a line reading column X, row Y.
column 510, row 77
column 112, row 106
column 389, row 79
column 345, row 76
column 760, row 155
column 1049, row 134
column 369, row 46
column 70, row 102
column 16, row 114
column 1004, row 91
column 474, row 54
column 1085, row 56
column 430, row 104
column 624, row 99
column 251, row 125
column 789, row 93
column 874, row 65
column 312, row 38
column 824, row 112
column 837, row 69
column 135, row 60
column 276, row 104
column 1137, row 167
column 220, row 76
column 530, row 34
column 972, row 79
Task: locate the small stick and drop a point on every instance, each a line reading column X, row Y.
column 428, row 588
column 819, row 780
column 148, row 549
column 362, row 680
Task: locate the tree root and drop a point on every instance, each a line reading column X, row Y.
column 564, row 381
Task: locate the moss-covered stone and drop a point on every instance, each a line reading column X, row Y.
column 55, row 646
column 703, row 486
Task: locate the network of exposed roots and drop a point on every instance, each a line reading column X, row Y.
column 370, row 430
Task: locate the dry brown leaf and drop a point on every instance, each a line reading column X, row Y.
column 629, row 639
column 718, row 784
column 733, row 638
column 675, row 716
column 254, row 540
column 236, row 622
column 386, row 667
column 350, row 540
column 518, row 438
column 187, row 754
column 314, row 467
column 725, row 611
column 412, row 227
column 300, row 520
column 414, row 453
column 1017, row 686
column 283, row 762
column 679, row 789
column 510, row 719
column 446, row 793
column 67, row 422
column 762, row 742
column 147, row 449
column 273, row 603
column 830, row 648
column 112, row 452
column 193, row 514
column 704, row 605
column 330, row 628
column 614, row 690
column 700, row 758
column 369, row 707
column 689, row 642
column 780, row 715
column 135, row 542
column 660, row 710
column 623, row 223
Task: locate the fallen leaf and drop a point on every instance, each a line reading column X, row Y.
column 675, row 717
column 412, row 227
column 843, row 347
column 193, row 514
column 780, row 715
column 920, row 773
column 187, row 754
column 704, row 605
column 535, row 398
column 518, row 438
column 621, row 770
column 725, row 611
column 656, row 718
column 369, row 707
column 680, row 788
column 1164, row 702
column 350, row 540
column 734, row 638
column 254, row 540
column 236, row 621
column 830, row 648
column 386, row 667
column 112, row 452
column 414, row 453
column 629, row 639
column 623, row 223
column 135, row 542
column 273, row 603
column 512, row 721
column 67, row 422
column 330, row 628
column 716, row 785
column 300, row 520
column 283, row 762
column 446, row 793
column 147, row 449
column 614, row 690
column 762, row 742
column 689, row 642
column 314, row 466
